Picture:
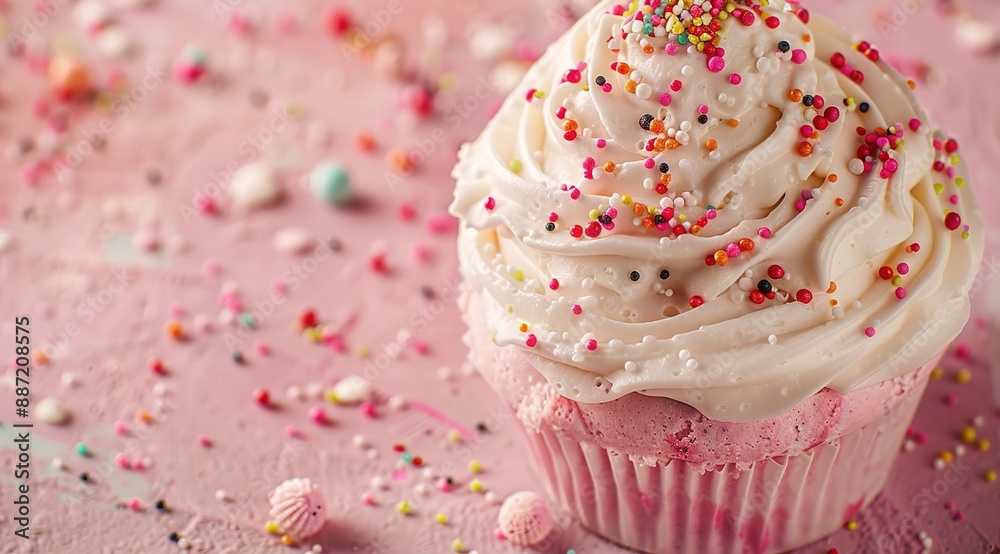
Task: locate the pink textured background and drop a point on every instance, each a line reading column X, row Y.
column 68, row 247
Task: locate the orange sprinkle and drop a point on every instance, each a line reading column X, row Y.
column 721, row 257
column 648, row 49
column 630, row 86
column 832, row 289
column 364, row 142
column 638, row 208
column 40, row 357
column 143, row 416
column 832, row 177
column 807, row 38
column 647, row 222
column 734, row 122
column 912, row 84
column 712, row 144
column 695, row 229
column 746, row 245
column 609, row 167
column 287, row 540
column 839, row 202
column 805, row 149
column 173, row 328
column 622, row 68
column 666, row 178
column 795, row 95
column 656, row 126
column 399, row 160
column 570, row 125
column 672, row 144
column 833, row 302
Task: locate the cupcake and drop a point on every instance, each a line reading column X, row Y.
column 711, row 253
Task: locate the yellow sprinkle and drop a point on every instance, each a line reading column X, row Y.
column 515, row 166
column 454, row 436
column 990, row 476
column 294, row 109
column 627, row 199
column 539, row 94
column 594, row 214
column 314, row 334
column 954, row 159
column 983, row 445
column 475, row 467
column 959, row 182
column 937, row 373
column 681, row 217
column 968, row 435
column 946, row 456
column 519, row 275
column 896, row 281
column 963, row 376
column 332, row 397
column 272, row 528
column 965, row 235
column 851, row 525
column 476, row 486
column 403, row 507
column 510, row 308
column 441, row 518
column 456, row 545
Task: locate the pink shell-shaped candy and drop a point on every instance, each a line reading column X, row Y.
column 298, row 507
column 525, row 519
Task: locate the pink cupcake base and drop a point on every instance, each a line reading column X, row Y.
column 655, row 475
column 776, row 505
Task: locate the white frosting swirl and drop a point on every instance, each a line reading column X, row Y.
column 732, row 358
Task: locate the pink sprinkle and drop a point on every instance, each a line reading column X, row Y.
column 800, row 205
column 419, row 347
column 798, row 56
column 122, row 461
column 135, row 505
column 175, row 310
column 962, row 351
column 368, row 499
column 716, row 64
column 676, row 85
column 204, row 441
column 914, row 124
column 806, row 131
column 419, row 252
column 903, row 268
column 733, row 250
column 139, row 465
column 949, row 505
column 318, row 416
column 591, row 345
column 601, row 143
column 666, row 99
column 31, row 174
column 589, row 163
column 710, row 214
column 649, row 163
column 900, row 293
column 891, row 165
column 921, row 437
column 764, row 232
column 606, row 87
column 702, row 109
column 531, row 341
column 367, row 409
column 959, row 516
column 292, row 432
column 443, row 485
column 671, row 48
column 441, row 223
column 870, row 332
column 210, row 267
column 554, row 284
column 553, row 217
column 735, row 79
column 261, row 348
column 406, row 211
column 577, row 309
column 490, row 203
column 121, row 428
column 951, row 399
column 498, row 534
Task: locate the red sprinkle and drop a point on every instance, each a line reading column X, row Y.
column 804, row 296
column 775, row 272
column 696, row 301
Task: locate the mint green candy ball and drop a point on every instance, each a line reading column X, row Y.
column 331, row 183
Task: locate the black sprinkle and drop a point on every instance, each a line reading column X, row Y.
column 659, row 219
column 664, row 167
column 764, row 286
column 174, row 537
column 784, row 46
column 238, row 358
column 807, row 100
column 550, row 226
column 703, row 119
column 664, row 274
column 645, row 121
column 153, row 176
column 634, row 276
column 604, row 219
column 449, row 480
column 864, row 107
column 600, row 80
column 427, row 292
column 161, row 505
column 85, row 477
column 334, row 245
column 481, row 427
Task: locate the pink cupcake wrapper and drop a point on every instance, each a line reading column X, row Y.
column 776, row 505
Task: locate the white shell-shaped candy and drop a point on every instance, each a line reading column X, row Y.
column 298, row 507
column 292, row 240
column 255, row 185
column 51, row 411
column 352, row 390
